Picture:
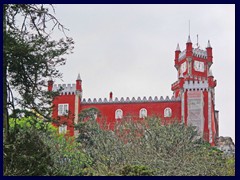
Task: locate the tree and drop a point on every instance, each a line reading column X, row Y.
column 31, row 57
column 151, row 147
column 38, row 150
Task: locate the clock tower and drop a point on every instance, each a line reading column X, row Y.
column 196, row 88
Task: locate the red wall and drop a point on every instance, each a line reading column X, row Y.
column 69, row 119
column 205, row 111
column 153, row 108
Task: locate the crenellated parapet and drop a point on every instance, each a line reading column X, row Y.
column 194, row 79
column 65, row 89
column 128, row 100
column 195, row 85
column 196, row 52
column 200, row 53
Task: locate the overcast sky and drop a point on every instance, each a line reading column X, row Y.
column 129, row 49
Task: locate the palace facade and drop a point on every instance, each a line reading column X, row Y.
column 193, row 100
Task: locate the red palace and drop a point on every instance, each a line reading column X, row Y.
column 193, row 100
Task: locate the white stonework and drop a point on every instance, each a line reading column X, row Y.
column 209, row 116
column 76, row 107
column 195, row 85
column 195, row 110
column 66, row 88
column 182, row 102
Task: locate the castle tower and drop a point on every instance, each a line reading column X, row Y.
column 66, row 106
column 195, row 86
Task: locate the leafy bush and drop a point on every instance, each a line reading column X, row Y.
column 37, row 149
column 27, row 155
column 167, row 149
column 136, row 171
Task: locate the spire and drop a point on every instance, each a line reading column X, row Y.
column 208, row 45
column 78, row 77
column 178, row 48
column 189, row 40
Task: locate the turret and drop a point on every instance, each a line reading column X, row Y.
column 50, row 84
column 189, row 47
column 177, row 52
column 79, row 83
column 209, row 52
column 211, row 81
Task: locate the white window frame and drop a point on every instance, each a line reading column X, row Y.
column 167, row 112
column 143, row 113
column 63, row 109
column 62, row 129
column 118, row 114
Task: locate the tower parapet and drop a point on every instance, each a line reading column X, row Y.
column 195, row 85
column 128, row 100
column 65, row 89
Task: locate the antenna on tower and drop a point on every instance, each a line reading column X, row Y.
column 197, row 42
column 189, row 27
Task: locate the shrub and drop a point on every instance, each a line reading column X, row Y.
column 163, row 148
column 27, row 155
column 36, row 149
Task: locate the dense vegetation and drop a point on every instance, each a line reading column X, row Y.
column 37, row 149
column 150, row 147
column 143, row 148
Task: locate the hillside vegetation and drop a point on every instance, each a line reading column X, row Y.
column 143, row 148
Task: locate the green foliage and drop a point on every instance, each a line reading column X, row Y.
column 37, row 149
column 88, row 114
column 31, row 57
column 230, row 166
column 28, row 155
column 136, row 171
column 68, row 159
column 28, row 122
column 171, row 149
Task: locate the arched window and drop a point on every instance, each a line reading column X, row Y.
column 118, row 114
column 167, row 112
column 142, row 113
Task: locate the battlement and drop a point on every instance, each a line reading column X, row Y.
column 200, row 53
column 196, row 85
column 127, row 100
column 195, row 79
column 66, row 88
column 196, row 52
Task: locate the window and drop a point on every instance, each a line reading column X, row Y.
column 142, row 113
column 62, row 109
column 167, row 112
column 118, row 114
column 63, row 129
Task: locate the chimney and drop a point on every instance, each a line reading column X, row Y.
column 50, row 84
column 110, row 95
